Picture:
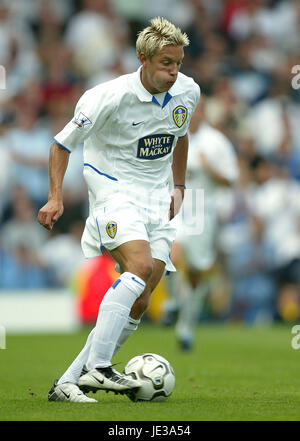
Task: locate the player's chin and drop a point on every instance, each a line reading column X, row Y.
column 168, row 86
column 165, row 86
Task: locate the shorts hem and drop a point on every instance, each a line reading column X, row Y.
column 122, row 241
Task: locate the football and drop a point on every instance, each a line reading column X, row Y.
column 156, row 375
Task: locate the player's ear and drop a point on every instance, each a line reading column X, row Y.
column 142, row 58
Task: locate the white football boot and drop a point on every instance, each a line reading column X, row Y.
column 106, row 379
column 68, row 392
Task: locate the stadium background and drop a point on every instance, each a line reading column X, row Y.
column 242, row 54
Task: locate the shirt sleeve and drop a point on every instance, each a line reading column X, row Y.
column 92, row 110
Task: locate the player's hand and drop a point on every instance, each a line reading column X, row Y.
column 50, row 213
column 176, row 201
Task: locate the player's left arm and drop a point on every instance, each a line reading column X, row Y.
column 179, row 171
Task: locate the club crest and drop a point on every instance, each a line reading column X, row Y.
column 111, row 229
column 81, row 120
column 179, row 115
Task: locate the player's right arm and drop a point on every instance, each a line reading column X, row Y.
column 53, row 209
column 95, row 102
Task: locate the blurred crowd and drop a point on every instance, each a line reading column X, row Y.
column 242, row 54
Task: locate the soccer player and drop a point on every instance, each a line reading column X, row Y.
column 212, row 164
column 134, row 130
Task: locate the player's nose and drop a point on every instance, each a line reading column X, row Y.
column 173, row 70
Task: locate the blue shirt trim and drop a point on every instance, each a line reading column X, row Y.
column 86, row 164
column 62, row 146
column 168, row 96
column 154, row 100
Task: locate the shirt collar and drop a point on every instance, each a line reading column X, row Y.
column 176, row 89
column 144, row 95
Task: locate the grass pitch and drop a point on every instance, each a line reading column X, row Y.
column 234, row 373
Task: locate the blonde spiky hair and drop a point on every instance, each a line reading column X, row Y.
column 161, row 33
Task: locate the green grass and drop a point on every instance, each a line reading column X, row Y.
column 234, row 373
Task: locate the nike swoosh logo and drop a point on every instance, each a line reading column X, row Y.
column 66, row 395
column 134, row 279
column 99, row 381
column 136, row 124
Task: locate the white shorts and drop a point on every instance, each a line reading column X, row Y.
column 119, row 220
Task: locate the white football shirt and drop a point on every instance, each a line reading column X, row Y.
column 128, row 134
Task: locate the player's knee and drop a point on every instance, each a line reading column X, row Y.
column 143, row 269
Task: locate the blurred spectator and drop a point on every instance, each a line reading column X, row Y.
column 94, row 35
column 5, row 173
column 271, row 120
column 22, row 228
column 224, row 110
column 62, row 254
column 275, row 20
column 247, row 260
column 21, row 271
column 276, row 201
column 59, row 82
column 28, row 144
column 33, row 11
column 17, row 51
column 21, row 240
column 139, row 12
column 249, row 83
column 49, row 19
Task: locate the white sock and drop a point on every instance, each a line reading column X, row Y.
column 113, row 315
column 128, row 329
column 73, row 372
